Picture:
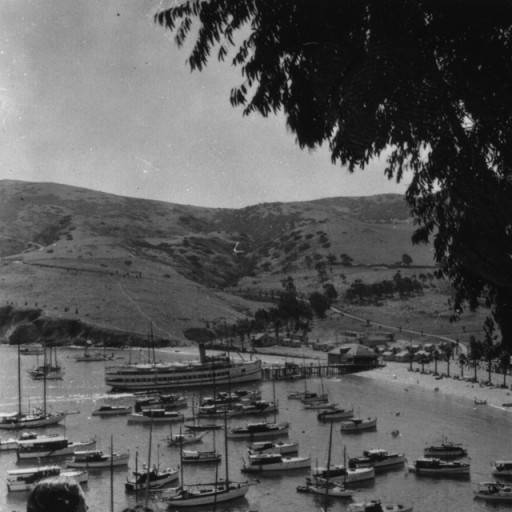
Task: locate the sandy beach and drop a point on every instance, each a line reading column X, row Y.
column 400, row 375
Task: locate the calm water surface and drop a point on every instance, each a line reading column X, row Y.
column 421, row 416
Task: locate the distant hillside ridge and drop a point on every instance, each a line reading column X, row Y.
column 125, row 262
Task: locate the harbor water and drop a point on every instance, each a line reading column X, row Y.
column 420, row 416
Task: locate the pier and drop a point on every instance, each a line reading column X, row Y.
column 289, row 371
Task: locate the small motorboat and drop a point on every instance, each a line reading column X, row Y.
column 184, row 438
column 325, row 488
column 347, row 475
column 445, row 450
column 155, row 416
column 200, row 457
column 282, row 447
column 112, row 410
column 502, row 468
column 378, row 459
column 494, row 491
column 478, row 401
column 274, row 462
column 335, row 414
column 358, row 425
column 157, row 479
column 92, row 459
column 437, row 467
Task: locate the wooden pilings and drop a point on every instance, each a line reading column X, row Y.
column 283, row 372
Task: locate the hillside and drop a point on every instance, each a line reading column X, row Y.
column 121, row 263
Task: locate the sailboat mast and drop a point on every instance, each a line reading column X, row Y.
column 327, row 470
column 44, row 382
column 226, row 448
column 181, row 459
column 146, row 496
column 111, row 473
column 19, row 380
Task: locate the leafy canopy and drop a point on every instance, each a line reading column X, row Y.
column 426, row 82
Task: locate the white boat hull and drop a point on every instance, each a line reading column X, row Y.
column 81, row 477
column 285, row 465
column 281, row 448
column 210, row 498
column 119, row 460
column 33, row 422
column 133, row 379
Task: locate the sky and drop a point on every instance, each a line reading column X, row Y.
column 94, row 94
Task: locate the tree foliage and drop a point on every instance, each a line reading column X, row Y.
column 428, row 83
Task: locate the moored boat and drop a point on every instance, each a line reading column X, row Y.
column 200, row 456
column 50, row 446
column 155, row 416
column 378, row 506
column 335, row 414
column 93, row 459
column 260, row 430
column 112, row 410
column 438, row 467
column 26, row 479
column 347, row 475
column 502, row 468
column 207, row 372
column 274, row 462
column 311, row 406
column 378, row 459
column 35, row 419
column 494, row 492
column 445, row 450
column 325, row 488
column 282, row 447
column 205, row 494
column 358, row 424
column 153, row 479
column 182, row 439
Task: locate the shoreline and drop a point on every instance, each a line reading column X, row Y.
column 400, row 375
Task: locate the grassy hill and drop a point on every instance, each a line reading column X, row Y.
column 122, row 263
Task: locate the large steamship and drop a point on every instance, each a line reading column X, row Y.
column 208, row 371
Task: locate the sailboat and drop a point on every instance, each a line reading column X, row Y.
column 35, row 419
column 50, row 370
column 208, row 494
column 196, row 425
column 324, row 486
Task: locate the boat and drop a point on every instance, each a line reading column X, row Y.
column 319, row 398
column 36, row 419
column 325, row 488
column 235, row 397
column 502, row 468
column 220, row 491
column 184, row 438
column 153, row 479
column 50, row 446
column 358, row 424
column 335, row 414
column 302, row 395
column 346, row 474
column 378, row 459
column 319, row 405
column 438, row 467
column 445, row 450
column 155, row 416
column 197, row 425
column 168, row 402
column 378, row 506
column 26, row 479
column 50, row 369
column 93, row 459
column 274, row 462
column 112, row 410
column 494, row 492
column 7, row 445
column 259, row 430
column 203, row 373
column 478, row 401
column 200, row 457
column 282, row 447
